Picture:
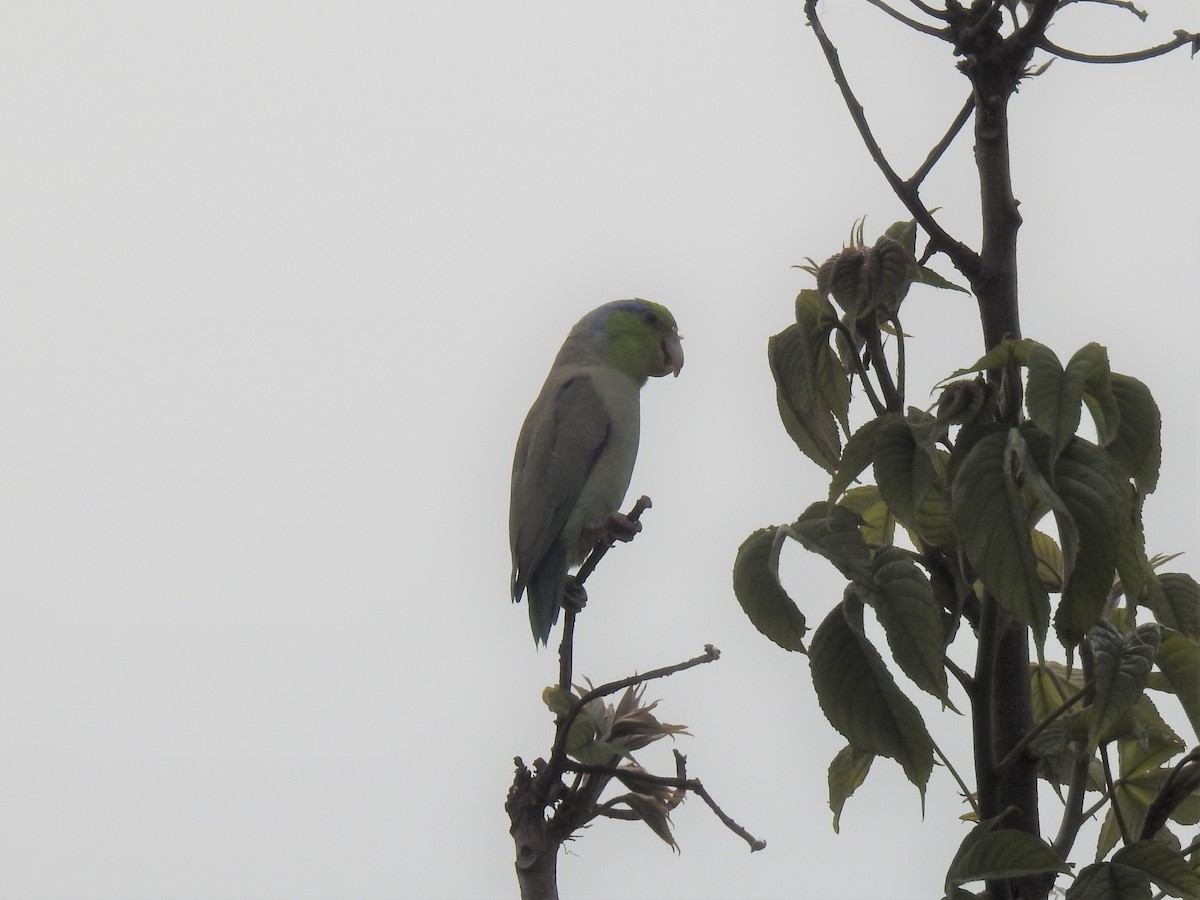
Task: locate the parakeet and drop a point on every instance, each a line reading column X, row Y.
column 576, row 450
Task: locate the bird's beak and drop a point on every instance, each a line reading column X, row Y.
column 672, row 361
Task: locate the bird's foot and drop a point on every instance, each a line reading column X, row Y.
column 575, row 596
column 616, row 526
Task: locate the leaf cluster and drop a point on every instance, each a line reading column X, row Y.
column 1021, row 492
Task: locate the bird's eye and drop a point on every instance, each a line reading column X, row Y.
column 651, row 317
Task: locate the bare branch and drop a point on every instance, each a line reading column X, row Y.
column 1123, row 4
column 1182, row 39
column 942, row 33
column 965, row 259
column 929, row 10
column 566, row 648
column 935, row 154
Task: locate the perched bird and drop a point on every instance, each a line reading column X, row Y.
column 575, row 454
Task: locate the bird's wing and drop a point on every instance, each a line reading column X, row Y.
column 563, row 437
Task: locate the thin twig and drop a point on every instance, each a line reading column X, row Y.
column 968, row 107
column 1123, row 4
column 566, row 648
column 942, row 33
column 859, row 368
column 963, row 678
column 961, row 784
column 1041, row 726
column 1112, row 792
column 965, row 259
column 1073, row 817
column 1182, row 38
column 558, row 752
column 929, row 10
column 679, row 783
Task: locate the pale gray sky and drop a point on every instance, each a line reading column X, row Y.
column 278, row 284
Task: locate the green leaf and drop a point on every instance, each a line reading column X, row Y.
column 933, row 516
column 906, row 233
column 878, row 526
column 1179, row 660
column 1178, row 604
column 815, row 317
column 1148, row 741
column 847, row 771
column 988, row 853
column 1049, row 561
column 757, row 588
column 1092, row 495
column 1054, row 396
column 560, row 701
column 912, row 621
column 1165, row 866
column 1052, row 685
column 1109, row 881
column 1133, row 568
column 1121, row 666
column 805, row 415
column 998, row 357
column 832, row 531
column 1137, row 446
column 857, row 454
column 933, row 279
column 903, row 470
column 1097, row 391
column 990, row 519
column 859, row 697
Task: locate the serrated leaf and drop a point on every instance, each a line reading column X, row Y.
column 1054, row 396
column 1097, row 391
column 757, row 588
column 1007, row 353
column 1109, row 881
column 814, row 318
column 1132, row 566
column 1149, row 739
column 933, row 517
column 1137, row 446
column 903, row 470
column 933, row 279
column 905, row 232
column 1164, row 865
column 878, row 526
column 1179, row 660
column 832, row 531
column 847, row 771
column 1178, row 604
column 806, row 417
column 1092, row 495
column 995, row 853
column 990, row 520
column 1049, row 561
column 912, row 621
column 857, row 454
column 1121, row 666
column 859, row 697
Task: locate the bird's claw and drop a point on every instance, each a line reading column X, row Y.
column 616, row 526
column 575, row 595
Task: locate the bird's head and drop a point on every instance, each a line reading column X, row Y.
column 641, row 338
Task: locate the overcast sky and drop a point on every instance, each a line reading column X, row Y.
column 278, row 283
